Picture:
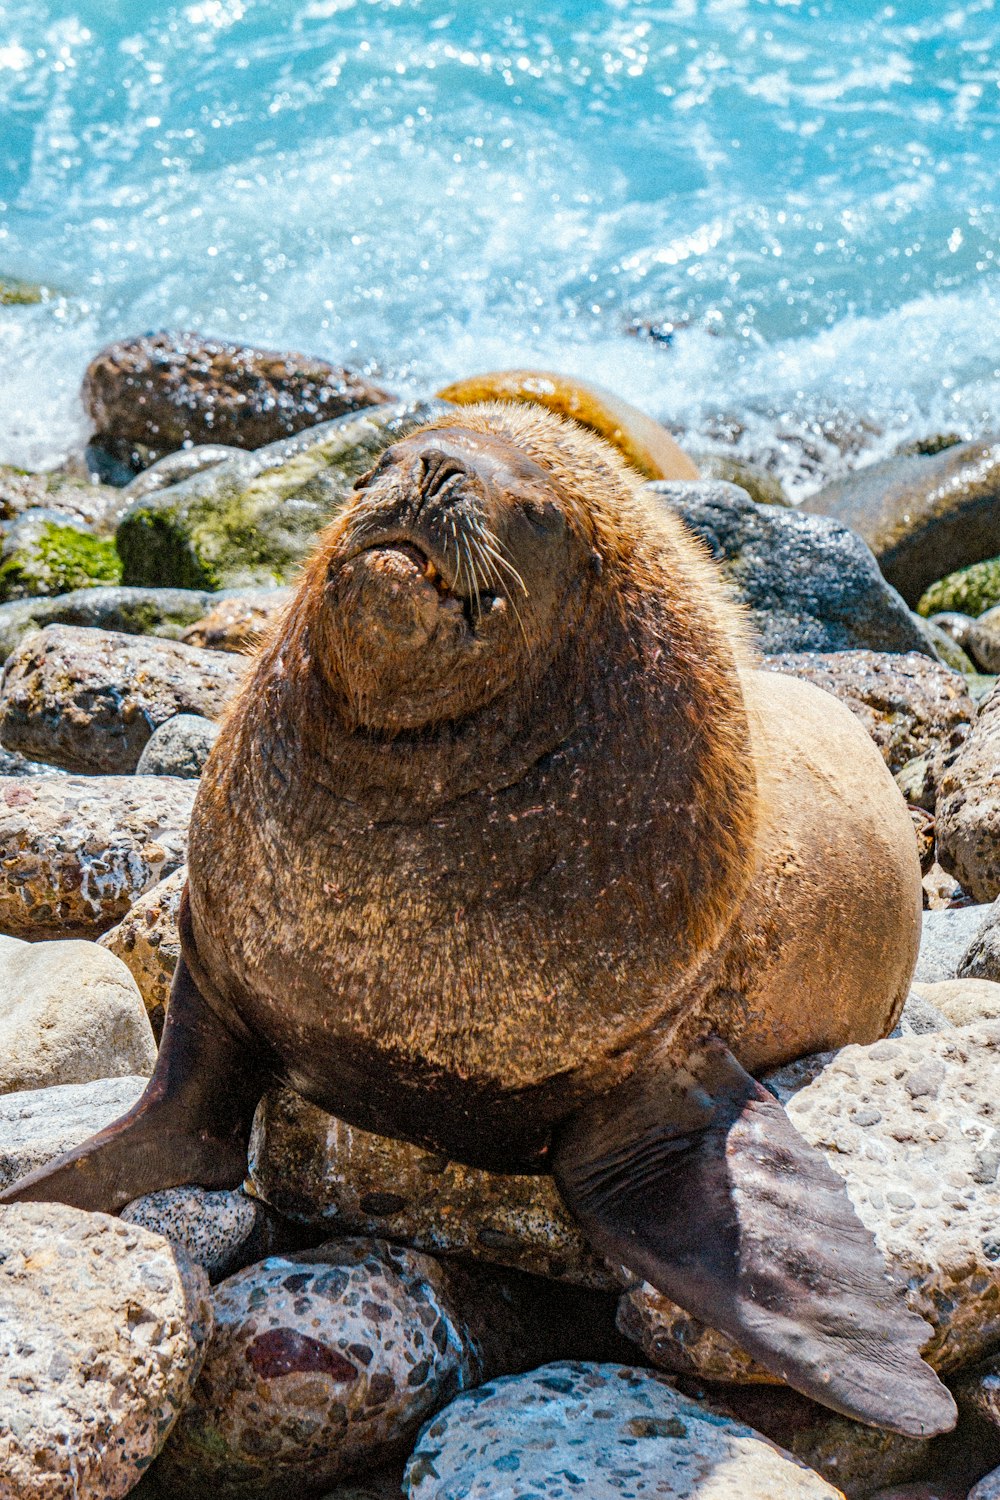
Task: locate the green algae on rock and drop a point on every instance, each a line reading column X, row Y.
column 968, row 591
column 252, row 519
column 49, row 555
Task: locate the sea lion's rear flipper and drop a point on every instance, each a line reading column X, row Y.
column 699, row 1181
column 191, row 1124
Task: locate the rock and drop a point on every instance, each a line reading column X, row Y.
column 179, row 747
column 134, row 611
column 982, row 640
column 941, row 890
column 910, row 1125
column 970, row 591
column 47, row 553
column 921, row 1015
column 175, row 467
column 955, row 625
column 253, row 519
column 909, row 705
column 150, row 395
column 37, row 1125
column 12, row 764
column 967, row 814
column 981, row 959
column 17, row 293
column 922, row 515
column 90, row 700
column 808, row 583
column 923, row 827
column 237, row 624
column 220, row 1231
column 70, row 1012
column 77, row 852
column 315, row 1169
column 988, row 1488
column 950, row 653
column 147, row 942
column 761, row 486
column 324, row 1363
column 944, row 938
column 603, row 1431
column 102, row 1339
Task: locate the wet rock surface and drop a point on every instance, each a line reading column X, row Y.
column 70, row 1012
column 604, row 1431
column 252, row 519
column 147, row 942
column 46, row 552
column 37, row 1125
column 133, row 611
column 89, row 700
column 179, row 747
column 326, row 1362
column 315, row 1168
column 923, row 515
column 809, row 583
column 150, row 395
column 909, row 705
column 971, row 590
column 77, row 852
column 102, row 1339
column 238, row 624
column 968, row 807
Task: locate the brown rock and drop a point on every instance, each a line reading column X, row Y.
column 147, row 942
column 150, row 395
column 968, row 807
column 237, row 624
column 89, row 700
column 923, row 516
column 909, row 704
column 77, row 852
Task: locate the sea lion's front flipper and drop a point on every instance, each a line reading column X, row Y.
column 192, row 1123
column 699, row 1181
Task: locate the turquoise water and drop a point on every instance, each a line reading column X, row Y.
column 806, row 192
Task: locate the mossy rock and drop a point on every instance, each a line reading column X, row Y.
column 969, row 591
column 43, row 557
column 252, row 520
column 164, row 612
column 758, row 483
column 17, row 293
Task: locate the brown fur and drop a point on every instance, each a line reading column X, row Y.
column 511, row 896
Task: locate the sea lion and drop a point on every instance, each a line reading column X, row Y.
column 505, row 850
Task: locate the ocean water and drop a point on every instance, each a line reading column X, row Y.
column 800, row 196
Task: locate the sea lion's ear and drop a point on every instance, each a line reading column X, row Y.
column 699, row 1181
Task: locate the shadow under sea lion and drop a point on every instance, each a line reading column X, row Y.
column 505, row 850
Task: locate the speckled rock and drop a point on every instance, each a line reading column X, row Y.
column 910, row 1125
column 909, row 705
column 945, row 937
column 808, row 583
column 968, row 807
column 988, row 1487
column 152, row 394
column 147, row 942
column 77, row 852
column 220, row 1231
column 37, row 1125
column 325, row 1363
column 963, row 1002
column 921, row 1015
column 174, row 467
column 134, row 611
column 102, row 1339
column 74, row 496
column 253, row 519
column 923, row 515
column 603, row 1431
column 90, row 700
column 237, row 624
column 981, row 959
column 179, row 747
column 316, row 1169
column 69, row 1012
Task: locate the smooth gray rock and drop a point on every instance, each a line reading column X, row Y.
column 944, row 939
column 37, row 1125
column 809, row 583
column 179, row 747
column 133, row 611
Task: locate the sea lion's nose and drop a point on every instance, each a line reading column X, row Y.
column 434, row 468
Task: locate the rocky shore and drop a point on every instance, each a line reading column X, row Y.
column 361, row 1318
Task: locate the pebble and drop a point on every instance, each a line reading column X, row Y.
column 808, row 583
column 89, row 700
column 77, row 852
column 147, row 942
column 37, row 1125
column 968, row 807
column 606, row 1432
column 179, row 747
column 70, row 1012
column 102, row 1339
column 221, row 1231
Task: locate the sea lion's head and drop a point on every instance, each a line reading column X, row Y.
column 453, row 577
